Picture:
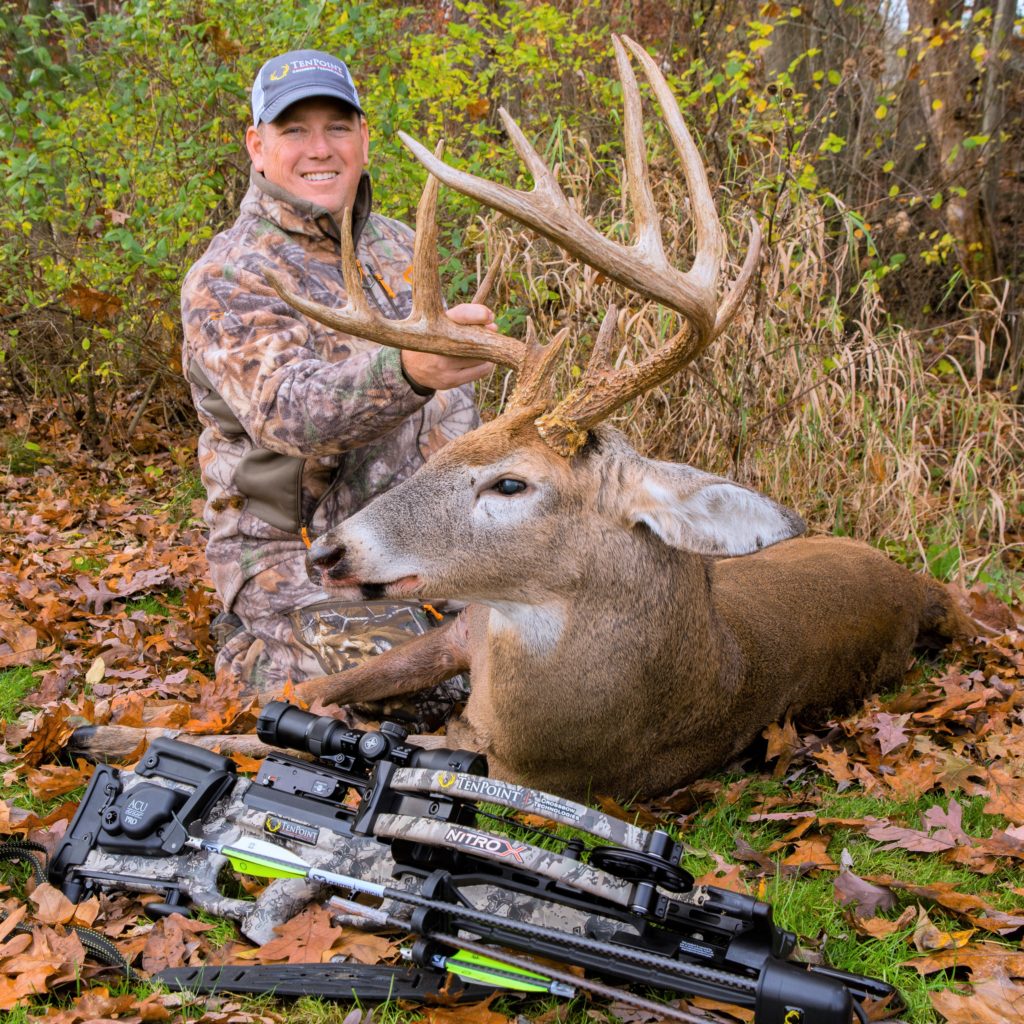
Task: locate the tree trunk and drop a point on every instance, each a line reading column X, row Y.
column 953, row 111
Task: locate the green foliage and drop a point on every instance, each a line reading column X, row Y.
column 121, row 149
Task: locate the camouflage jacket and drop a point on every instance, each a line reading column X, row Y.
column 302, row 425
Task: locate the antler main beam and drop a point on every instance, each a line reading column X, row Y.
column 642, row 266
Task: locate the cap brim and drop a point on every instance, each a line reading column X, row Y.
column 274, row 110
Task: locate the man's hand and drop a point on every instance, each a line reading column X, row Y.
column 443, row 372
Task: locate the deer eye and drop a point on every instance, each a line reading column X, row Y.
column 507, row 486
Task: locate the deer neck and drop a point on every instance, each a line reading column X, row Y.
column 653, row 616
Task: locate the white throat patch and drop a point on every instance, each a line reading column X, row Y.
column 538, row 627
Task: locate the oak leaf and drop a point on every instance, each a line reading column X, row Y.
column 53, row 780
column 724, row 875
column 468, row 1013
column 982, row 959
column 928, row 937
column 890, row 731
column 364, row 947
column 52, row 906
column 852, row 890
column 305, row 939
column 997, row 999
column 174, row 941
column 882, row 927
column 813, row 854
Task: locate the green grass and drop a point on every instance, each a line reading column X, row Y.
column 15, row 683
column 88, row 563
column 177, row 504
column 223, row 931
column 151, row 604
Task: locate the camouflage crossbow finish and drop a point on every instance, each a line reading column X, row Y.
column 434, row 843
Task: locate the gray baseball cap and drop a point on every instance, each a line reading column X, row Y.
column 297, row 75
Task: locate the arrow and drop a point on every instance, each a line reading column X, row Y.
column 488, row 971
column 262, row 859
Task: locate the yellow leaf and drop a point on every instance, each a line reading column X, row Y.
column 96, row 670
column 759, row 44
column 880, row 111
column 937, row 104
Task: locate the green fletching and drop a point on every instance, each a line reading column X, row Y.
column 248, row 864
column 257, row 857
column 474, row 967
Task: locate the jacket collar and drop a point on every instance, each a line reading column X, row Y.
column 299, row 216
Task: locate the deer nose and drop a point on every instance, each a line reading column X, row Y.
column 323, row 555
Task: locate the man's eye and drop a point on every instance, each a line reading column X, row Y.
column 508, row 487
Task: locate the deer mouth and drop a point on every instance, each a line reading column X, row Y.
column 405, row 586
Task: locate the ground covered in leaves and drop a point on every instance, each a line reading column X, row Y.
column 891, row 841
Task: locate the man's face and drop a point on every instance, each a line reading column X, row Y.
column 316, row 149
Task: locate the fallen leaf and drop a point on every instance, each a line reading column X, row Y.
column 307, row 938
column 851, row 890
column 928, row 937
column 52, row 906
column 173, row 941
column 890, row 731
column 997, row 999
column 466, row 1013
column 364, row 947
column 95, row 673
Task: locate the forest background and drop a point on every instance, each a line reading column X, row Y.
column 873, row 381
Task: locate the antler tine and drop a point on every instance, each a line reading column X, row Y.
column 534, row 381
column 731, row 303
column 600, row 354
column 427, row 328
column 706, row 224
column 646, row 222
column 426, row 277
column 705, row 216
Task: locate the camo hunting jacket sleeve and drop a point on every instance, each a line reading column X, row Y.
column 294, row 386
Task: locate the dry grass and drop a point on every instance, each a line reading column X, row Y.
column 813, row 396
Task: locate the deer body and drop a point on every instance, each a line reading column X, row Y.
column 608, row 651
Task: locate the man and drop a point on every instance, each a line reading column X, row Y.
column 302, row 425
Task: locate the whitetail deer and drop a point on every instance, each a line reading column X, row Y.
column 614, row 642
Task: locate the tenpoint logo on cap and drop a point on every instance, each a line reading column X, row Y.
column 299, row 75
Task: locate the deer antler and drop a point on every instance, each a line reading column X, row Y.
column 642, row 267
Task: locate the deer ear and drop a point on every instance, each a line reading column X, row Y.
column 699, row 512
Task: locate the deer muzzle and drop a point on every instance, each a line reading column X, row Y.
column 326, row 564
